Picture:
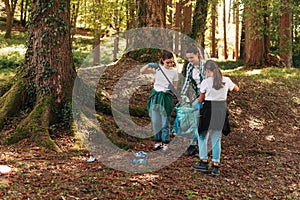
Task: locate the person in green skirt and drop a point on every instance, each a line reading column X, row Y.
column 160, row 101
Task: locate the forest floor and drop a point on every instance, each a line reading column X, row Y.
column 260, row 158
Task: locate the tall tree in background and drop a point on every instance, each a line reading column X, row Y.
column 23, row 11
column 296, row 32
column 214, row 19
column 130, row 18
column 225, row 31
column 10, row 7
column 255, row 52
column 285, row 28
column 187, row 22
column 237, row 29
column 199, row 21
column 177, row 26
column 170, row 22
column 97, row 30
column 169, row 14
column 267, row 27
column 243, row 38
column 116, row 28
column 75, row 5
column 44, row 84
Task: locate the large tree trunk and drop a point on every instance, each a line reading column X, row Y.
column 45, row 80
column 285, row 27
column 152, row 13
column 255, row 52
column 187, row 22
column 149, row 14
column 199, row 21
column 10, row 7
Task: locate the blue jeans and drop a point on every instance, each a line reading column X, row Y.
column 161, row 126
column 216, row 136
column 197, row 106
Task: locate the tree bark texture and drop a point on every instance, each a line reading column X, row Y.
column 10, row 7
column 214, row 16
column 285, row 28
column 225, row 31
column 237, row 29
column 152, row 13
column 255, row 52
column 45, row 83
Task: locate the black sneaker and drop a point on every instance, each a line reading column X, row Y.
column 202, row 167
column 191, row 150
column 157, row 147
column 215, row 170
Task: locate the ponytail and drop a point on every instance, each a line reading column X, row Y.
column 217, row 74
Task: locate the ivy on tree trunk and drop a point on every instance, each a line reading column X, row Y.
column 199, row 21
column 45, row 82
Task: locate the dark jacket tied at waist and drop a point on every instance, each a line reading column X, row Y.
column 212, row 115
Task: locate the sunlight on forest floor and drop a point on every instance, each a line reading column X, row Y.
column 254, row 72
column 20, row 48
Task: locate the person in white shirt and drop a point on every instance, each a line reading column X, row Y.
column 213, row 95
column 160, row 102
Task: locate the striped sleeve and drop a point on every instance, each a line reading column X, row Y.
column 202, row 71
column 187, row 80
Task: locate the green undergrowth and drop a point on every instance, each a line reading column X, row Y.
column 266, row 73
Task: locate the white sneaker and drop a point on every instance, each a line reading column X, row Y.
column 165, row 148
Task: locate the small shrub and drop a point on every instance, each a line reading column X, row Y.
column 11, row 60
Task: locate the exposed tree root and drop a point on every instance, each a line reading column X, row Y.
column 36, row 125
column 12, row 101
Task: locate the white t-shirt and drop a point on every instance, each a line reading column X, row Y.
column 196, row 76
column 161, row 83
column 212, row 94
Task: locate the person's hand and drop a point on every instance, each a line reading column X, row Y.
column 153, row 65
column 197, row 105
column 171, row 87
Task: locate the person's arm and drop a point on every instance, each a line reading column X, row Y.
column 232, row 86
column 147, row 69
column 235, row 88
column 186, row 81
column 201, row 97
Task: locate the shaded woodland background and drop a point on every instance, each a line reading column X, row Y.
column 43, row 43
